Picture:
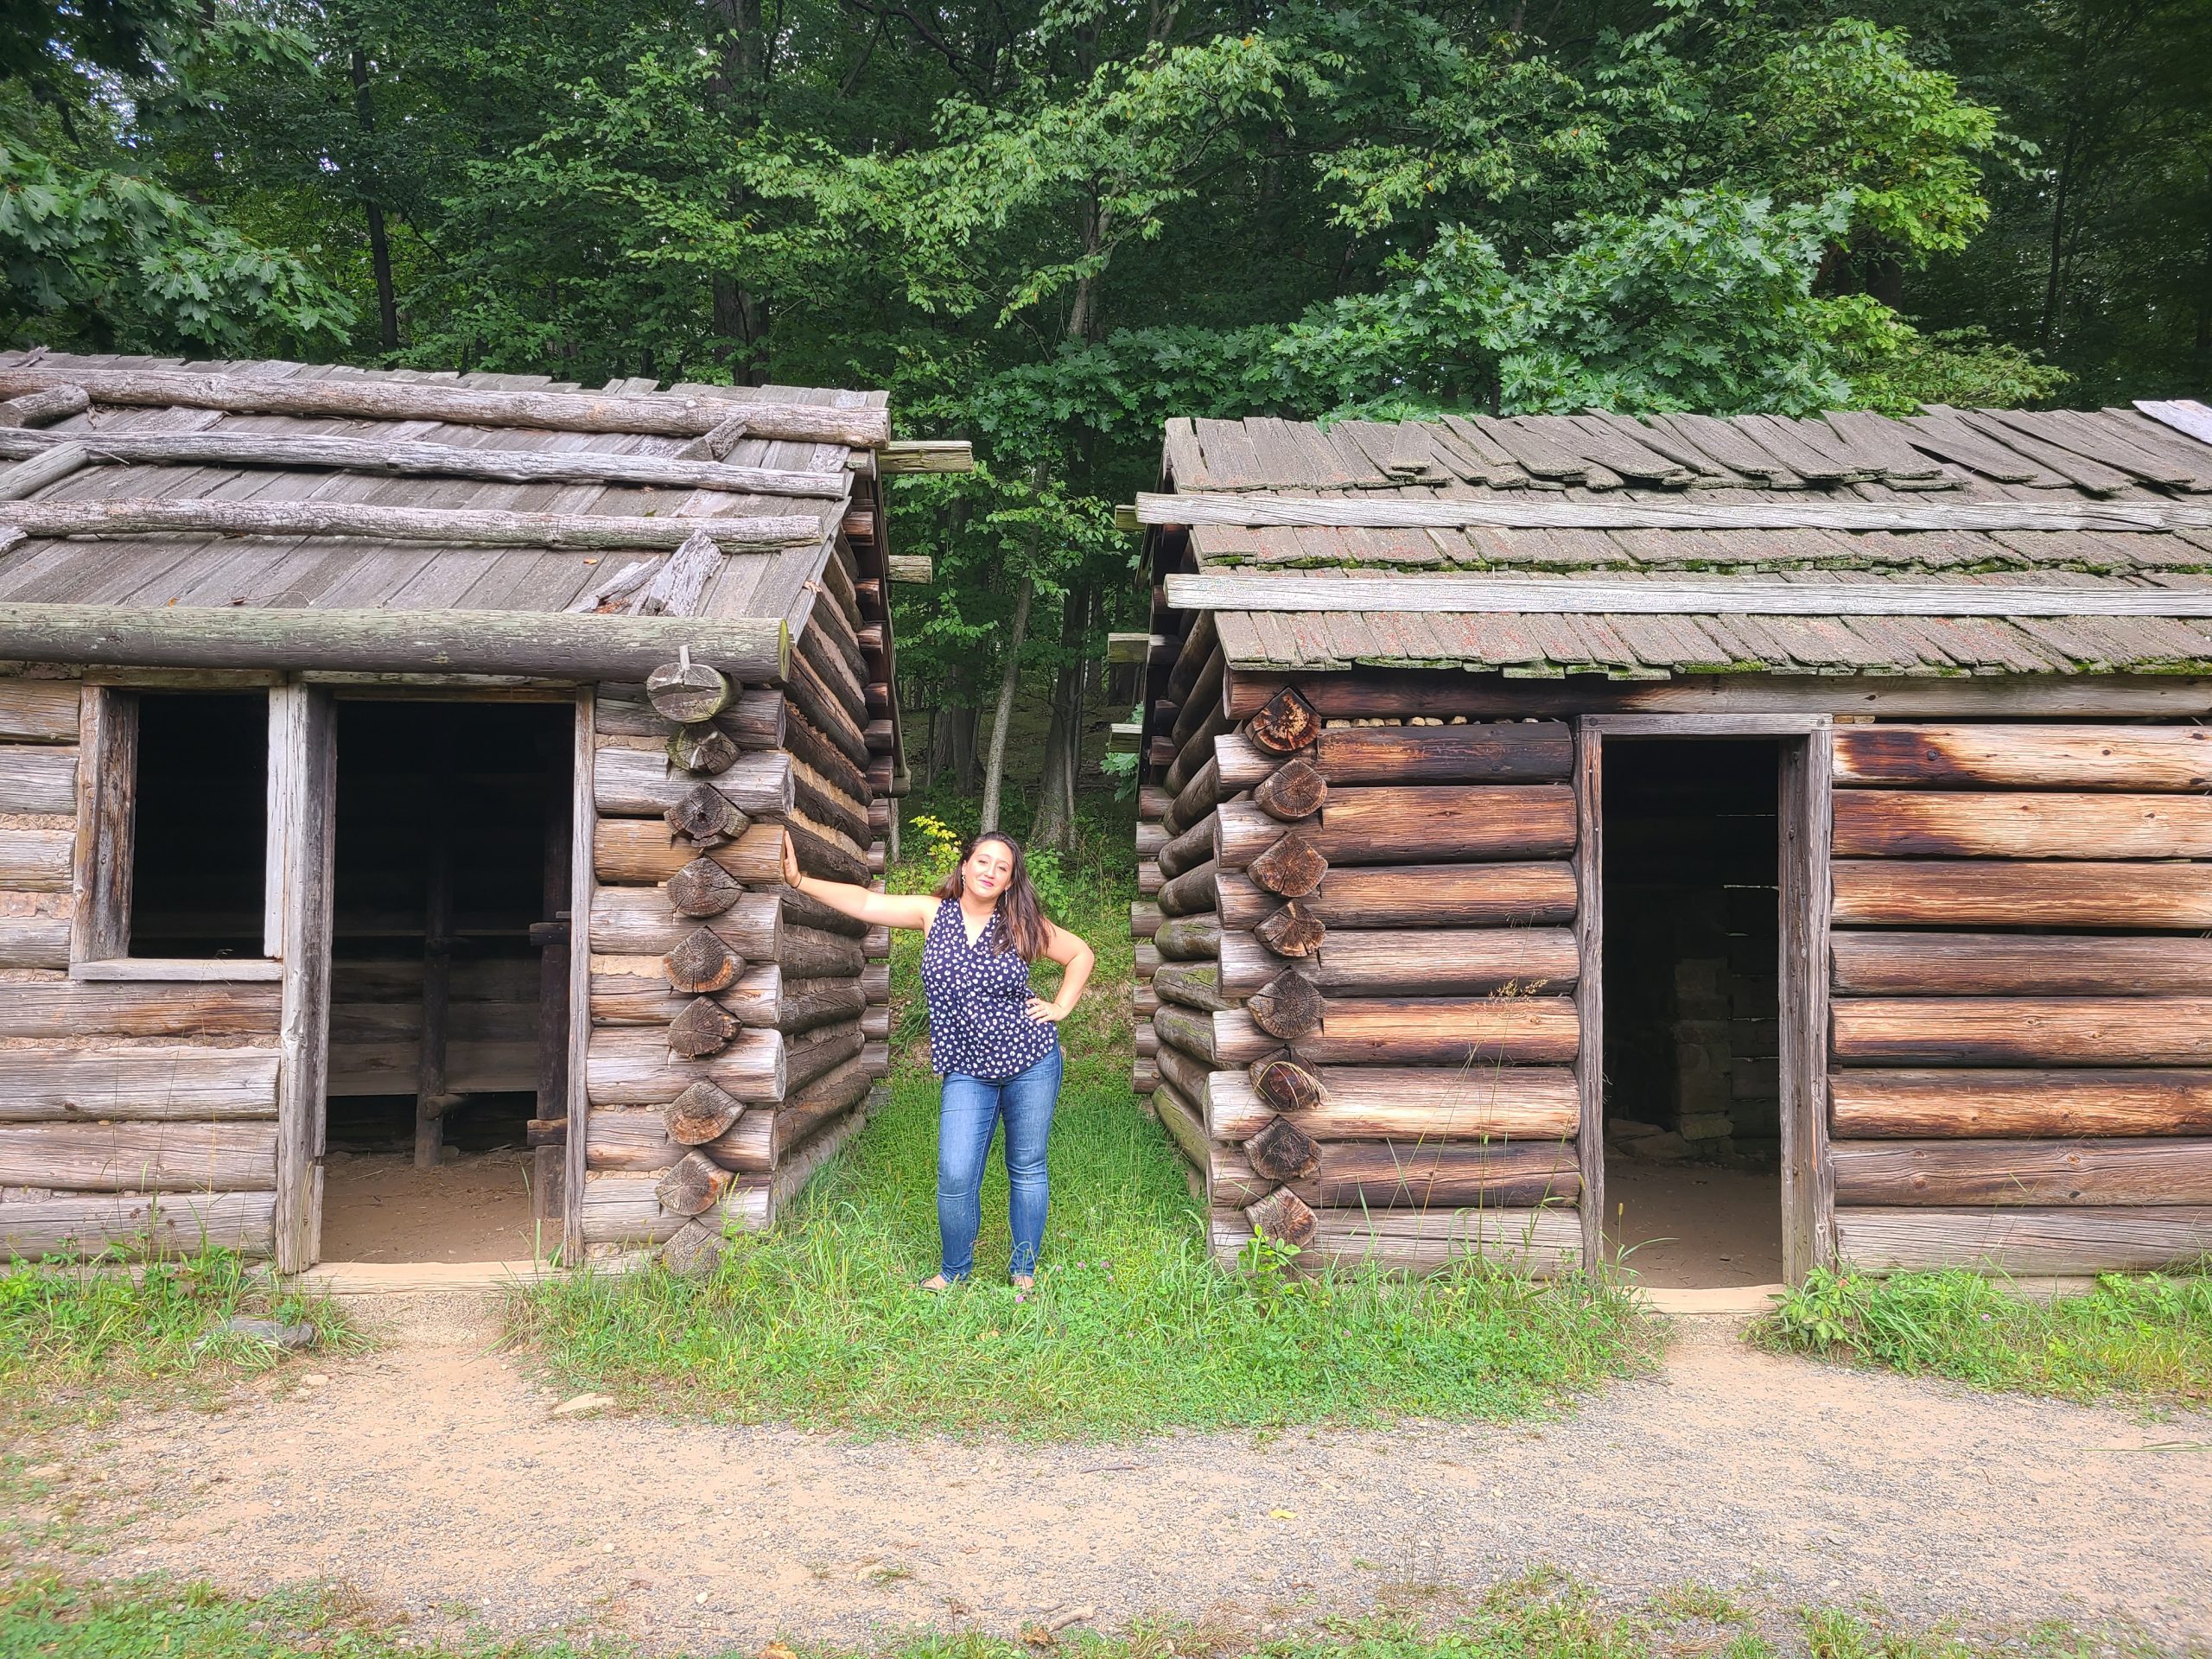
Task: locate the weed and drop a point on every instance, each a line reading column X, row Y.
column 2143, row 1339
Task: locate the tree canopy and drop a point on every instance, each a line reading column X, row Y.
column 1048, row 225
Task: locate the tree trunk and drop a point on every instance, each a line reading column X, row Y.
column 994, row 763
column 379, row 243
column 966, row 717
column 1055, row 824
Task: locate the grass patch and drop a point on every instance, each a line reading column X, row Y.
column 73, row 1340
column 2144, row 1339
column 1541, row 1616
column 1131, row 1328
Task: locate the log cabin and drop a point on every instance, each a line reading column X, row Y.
column 1547, row 818
column 380, row 750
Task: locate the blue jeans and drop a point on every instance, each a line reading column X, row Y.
column 966, row 1122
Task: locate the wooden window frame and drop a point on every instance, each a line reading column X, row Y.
column 1807, row 770
column 107, row 781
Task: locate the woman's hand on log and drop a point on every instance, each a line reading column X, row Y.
column 792, row 874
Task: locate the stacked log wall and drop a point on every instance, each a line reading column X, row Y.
column 738, row 1028
column 136, row 1117
column 1364, row 1030
column 2021, row 1043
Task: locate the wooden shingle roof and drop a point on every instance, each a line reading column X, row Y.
column 802, row 491
column 2105, row 511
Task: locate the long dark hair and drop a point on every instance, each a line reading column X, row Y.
column 1026, row 929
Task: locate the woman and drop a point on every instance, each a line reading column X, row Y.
column 993, row 1042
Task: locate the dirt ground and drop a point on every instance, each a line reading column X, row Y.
column 379, row 1207
column 1695, row 1225
column 430, row 1477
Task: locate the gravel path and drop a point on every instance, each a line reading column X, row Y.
column 430, row 1477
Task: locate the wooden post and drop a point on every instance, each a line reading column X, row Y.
column 548, row 1162
column 583, row 821
column 1807, row 1176
column 306, row 721
column 431, row 1097
column 1590, row 986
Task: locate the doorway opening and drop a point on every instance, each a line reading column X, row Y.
column 448, row 998
column 1692, row 985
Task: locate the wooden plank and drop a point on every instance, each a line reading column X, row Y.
column 1414, row 823
column 1389, row 1102
column 1808, row 1181
column 1952, row 1104
column 303, row 756
column 455, row 641
column 38, row 711
column 416, row 458
column 584, row 926
column 620, row 1209
column 1414, row 1031
column 1541, row 1243
column 137, row 1084
column 2016, row 1172
column 34, row 942
column 141, row 1157
column 390, row 399
column 642, row 784
column 2117, row 1239
column 35, row 860
column 2025, row 893
column 1519, row 510
column 40, row 778
column 2024, row 1031
column 114, row 517
column 1589, row 1057
column 1393, row 693
column 2182, row 413
column 1410, row 1175
column 2017, row 964
column 169, row 1224
column 69, row 1009
column 2129, row 758
column 635, row 1068
column 1428, row 961
column 1418, row 895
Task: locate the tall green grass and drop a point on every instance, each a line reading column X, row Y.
column 71, row 1338
column 2146, row 1339
column 1131, row 1327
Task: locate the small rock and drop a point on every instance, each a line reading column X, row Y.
column 1665, row 1147
column 274, row 1332
column 1627, row 1129
column 314, row 1380
column 583, row 1405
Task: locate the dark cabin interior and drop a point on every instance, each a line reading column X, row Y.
column 199, row 852
column 1693, row 1013
column 453, row 826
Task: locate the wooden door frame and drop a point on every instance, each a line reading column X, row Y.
column 1805, row 743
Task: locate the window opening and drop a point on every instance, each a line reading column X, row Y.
column 200, row 831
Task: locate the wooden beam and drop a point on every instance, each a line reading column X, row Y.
column 414, row 458
column 925, row 455
column 500, row 642
column 1514, row 510
column 1723, row 596
column 450, row 526
column 1133, row 647
column 2182, row 413
column 910, row 567
column 49, row 467
column 670, row 415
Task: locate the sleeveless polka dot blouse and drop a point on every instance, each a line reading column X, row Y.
column 978, row 996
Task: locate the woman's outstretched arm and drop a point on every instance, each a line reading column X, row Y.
column 1076, row 959
column 877, row 909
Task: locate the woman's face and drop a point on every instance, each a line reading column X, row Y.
column 988, row 868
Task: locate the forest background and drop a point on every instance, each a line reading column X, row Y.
column 1047, row 225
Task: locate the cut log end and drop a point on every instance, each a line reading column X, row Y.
column 1288, row 1008
column 706, row 816
column 1295, row 790
column 688, row 693
column 1286, row 1085
column 1292, row 869
column 706, row 750
column 701, row 963
column 703, row 887
column 1293, row 931
column 702, row 1113
column 1283, row 1152
column 1282, row 1214
column 704, row 1028
column 1284, row 724
column 695, row 1251
column 693, row 1185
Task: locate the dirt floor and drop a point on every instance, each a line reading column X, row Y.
column 1690, row 1226
column 379, row 1207
column 431, row 1477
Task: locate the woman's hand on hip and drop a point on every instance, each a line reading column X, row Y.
column 1050, row 1013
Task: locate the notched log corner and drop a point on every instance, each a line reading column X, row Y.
column 704, row 1028
column 1293, row 931
column 1284, row 724
column 1295, row 790
column 702, row 1113
column 1283, row 1152
column 703, row 887
column 1289, row 1007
